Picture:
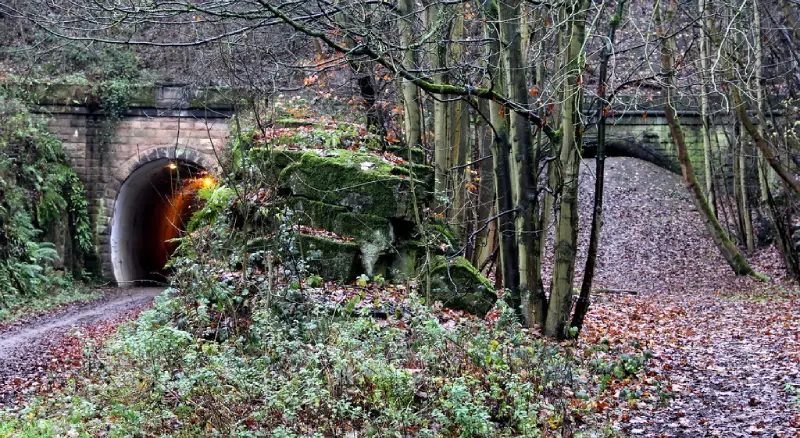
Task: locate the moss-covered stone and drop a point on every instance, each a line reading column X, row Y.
column 212, row 98
column 277, row 159
column 143, row 96
column 420, row 172
column 293, row 123
column 458, row 285
column 373, row 234
column 441, row 236
column 317, row 214
column 330, row 259
column 375, row 237
column 416, row 155
column 361, row 182
column 403, row 265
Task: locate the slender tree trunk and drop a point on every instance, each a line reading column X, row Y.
column 460, row 149
column 566, row 239
column 523, row 184
column 437, row 55
column 501, row 150
column 732, row 254
column 405, row 24
column 582, row 306
column 486, row 197
column 744, row 204
column 781, row 218
column 552, row 152
column 704, row 8
column 763, row 172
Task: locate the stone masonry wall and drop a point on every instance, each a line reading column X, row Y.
column 104, row 162
column 649, row 138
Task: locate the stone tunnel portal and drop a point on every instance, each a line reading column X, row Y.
column 153, row 206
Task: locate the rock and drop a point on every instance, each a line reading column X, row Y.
column 375, row 235
column 342, row 181
column 458, row 285
column 330, row 259
column 403, row 264
column 353, row 194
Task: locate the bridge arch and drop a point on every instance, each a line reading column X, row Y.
column 153, row 197
column 616, row 147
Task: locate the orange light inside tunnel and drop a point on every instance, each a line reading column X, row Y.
column 172, row 166
column 208, row 182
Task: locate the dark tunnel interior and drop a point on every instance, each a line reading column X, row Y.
column 153, row 206
column 630, row 149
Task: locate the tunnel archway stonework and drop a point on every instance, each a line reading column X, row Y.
column 144, row 204
column 163, row 125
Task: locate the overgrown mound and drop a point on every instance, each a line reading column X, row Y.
column 250, row 340
column 353, row 211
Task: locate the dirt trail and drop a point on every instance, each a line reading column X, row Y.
column 729, row 346
column 26, row 350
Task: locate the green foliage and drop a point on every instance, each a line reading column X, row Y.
column 240, row 345
column 39, row 195
column 114, row 97
column 625, row 365
column 310, row 372
column 217, row 199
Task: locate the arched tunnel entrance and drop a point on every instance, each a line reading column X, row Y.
column 628, row 148
column 153, row 206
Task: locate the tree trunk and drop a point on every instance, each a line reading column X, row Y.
column 501, row 149
column 434, row 17
column 732, row 254
column 582, row 306
column 763, row 172
column 460, row 145
column 523, row 185
column 782, row 219
column 566, row 239
column 705, row 49
column 484, row 240
column 405, row 24
column 744, row 204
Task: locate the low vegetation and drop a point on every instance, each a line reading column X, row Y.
column 251, row 342
column 41, row 201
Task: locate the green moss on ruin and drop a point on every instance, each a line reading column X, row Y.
column 359, row 181
column 415, row 155
column 330, row 259
column 459, row 285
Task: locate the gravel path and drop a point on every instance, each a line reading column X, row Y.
column 27, row 350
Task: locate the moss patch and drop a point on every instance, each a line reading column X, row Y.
column 330, row 259
column 361, row 182
column 458, row 285
column 416, row 155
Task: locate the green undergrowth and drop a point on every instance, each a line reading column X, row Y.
column 305, row 371
column 42, row 201
column 248, row 342
column 21, row 307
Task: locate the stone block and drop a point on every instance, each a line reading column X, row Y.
column 458, row 285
